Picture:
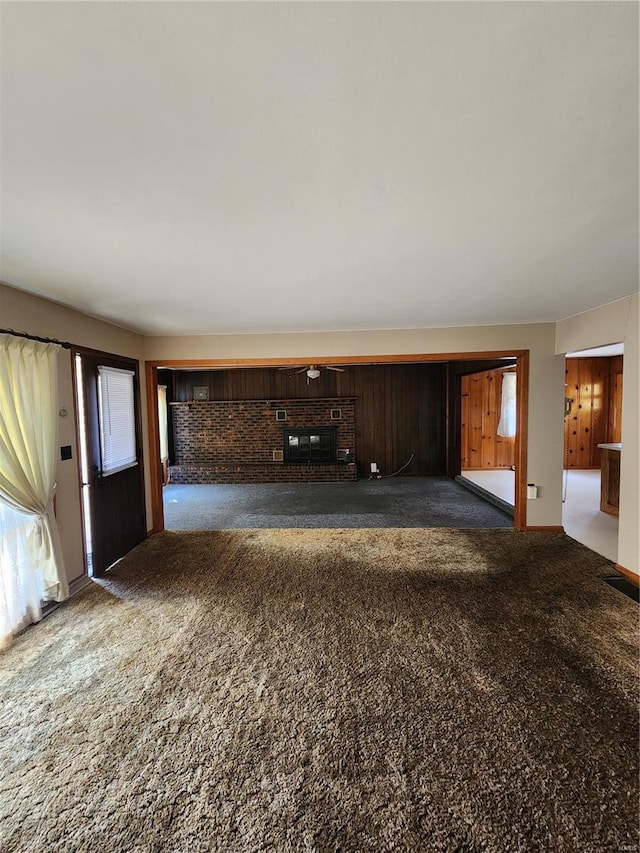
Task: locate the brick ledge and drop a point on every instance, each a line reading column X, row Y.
column 263, row 472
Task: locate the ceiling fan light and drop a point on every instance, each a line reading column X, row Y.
column 313, row 373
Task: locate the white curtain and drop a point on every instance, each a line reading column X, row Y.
column 507, row 423
column 28, row 458
column 162, row 422
column 20, row 582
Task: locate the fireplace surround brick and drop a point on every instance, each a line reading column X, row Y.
column 233, row 441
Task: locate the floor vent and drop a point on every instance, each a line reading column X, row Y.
column 625, row 586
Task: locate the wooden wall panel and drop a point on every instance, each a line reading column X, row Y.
column 400, row 408
column 588, row 386
column 482, row 447
column 614, row 421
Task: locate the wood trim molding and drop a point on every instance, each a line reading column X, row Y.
column 632, row 576
column 522, row 399
column 521, row 442
column 550, row 528
column 414, row 358
column 155, row 465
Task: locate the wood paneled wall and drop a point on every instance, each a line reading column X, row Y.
column 614, row 420
column 399, row 409
column 594, row 386
column 482, row 447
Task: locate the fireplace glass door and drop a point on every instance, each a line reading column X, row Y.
column 314, row 444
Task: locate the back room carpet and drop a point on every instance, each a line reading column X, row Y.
column 328, row 690
column 390, row 502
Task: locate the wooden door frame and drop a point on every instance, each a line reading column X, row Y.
column 522, row 407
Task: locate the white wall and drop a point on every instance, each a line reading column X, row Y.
column 23, row 312
column 546, row 388
column 615, row 323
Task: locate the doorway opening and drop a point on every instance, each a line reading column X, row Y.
column 592, row 447
column 488, row 430
column 400, row 410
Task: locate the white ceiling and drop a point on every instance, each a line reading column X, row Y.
column 257, row 167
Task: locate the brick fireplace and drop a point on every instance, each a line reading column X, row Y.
column 257, row 441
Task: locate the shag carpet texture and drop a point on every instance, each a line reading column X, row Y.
column 328, row 690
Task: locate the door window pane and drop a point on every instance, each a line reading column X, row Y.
column 117, row 419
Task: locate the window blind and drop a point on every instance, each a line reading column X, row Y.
column 116, row 409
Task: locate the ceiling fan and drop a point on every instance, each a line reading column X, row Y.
column 311, row 370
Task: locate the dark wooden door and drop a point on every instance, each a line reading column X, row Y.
column 115, row 500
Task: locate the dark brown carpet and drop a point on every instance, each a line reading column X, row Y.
column 328, row 690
